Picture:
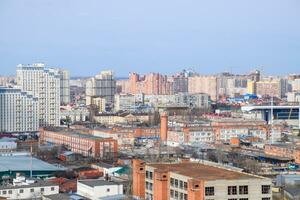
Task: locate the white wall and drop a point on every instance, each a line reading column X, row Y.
column 97, row 192
column 27, row 194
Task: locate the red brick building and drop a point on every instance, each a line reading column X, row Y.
column 284, row 150
column 195, row 181
column 85, row 144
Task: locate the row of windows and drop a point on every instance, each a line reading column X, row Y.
column 232, row 190
column 32, row 190
column 178, row 195
column 178, row 184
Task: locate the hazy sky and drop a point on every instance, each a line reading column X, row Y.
column 209, row 36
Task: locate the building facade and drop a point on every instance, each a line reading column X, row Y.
column 102, row 85
column 45, row 85
column 203, row 84
column 81, row 142
column 194, row 181
column 64, row 86
column 18, row 111
column 99, row 189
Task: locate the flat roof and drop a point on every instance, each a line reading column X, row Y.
column 74, row 132
column 37, row 183
column 97, row 182
column 203, row 172
column 23, row 163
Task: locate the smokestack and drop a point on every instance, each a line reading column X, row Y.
column 164, row 127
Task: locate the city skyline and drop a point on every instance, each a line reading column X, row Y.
column 86, row 38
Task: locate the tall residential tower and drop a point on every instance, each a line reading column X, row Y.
column 18, row 111
column 45, row 85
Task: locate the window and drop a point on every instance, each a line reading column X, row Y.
column 52, row 188
column 266, row 198
column 185, row 185
column 149, row 186
column 185, row 197
column 232, row 190
column 107, row 190
column 209, row 191
column 42, row 189
column 32, row 190
column 172, row 181
column 181, row 184
column 181, row 196
column 243, row 198
column 172, row 193
column 3, row 192
column 176, row 183
column 149, row 174
column 9, row 191
column 265, row 189
column 243, row 189
column 176, row 195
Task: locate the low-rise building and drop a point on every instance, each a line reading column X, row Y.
column 28, row 189
column 191, row 181
column 190, row 135
column 8, row 144
column 100, row 189
column 13, row 163
column 287, row 150
column 80, row 142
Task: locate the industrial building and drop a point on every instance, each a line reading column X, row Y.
column 13, row 163
column 195, row 181
column 80, row 142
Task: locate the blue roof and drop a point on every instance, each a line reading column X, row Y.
column 23, row 163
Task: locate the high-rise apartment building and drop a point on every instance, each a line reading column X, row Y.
column 271, row 87
column 180, row 84
column 203, row 84
column 150, row 84
column 64, row 86
column 44, row 84
column 18, row 111
column 102, row 85
column 231, row 85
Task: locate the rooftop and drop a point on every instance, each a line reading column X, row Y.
column 203, row 172
column 73, row 132
column 23, row 163
column 63, row 196
column 97, row 182
column 37, row 183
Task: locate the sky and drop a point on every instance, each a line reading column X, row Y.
column 164, row 36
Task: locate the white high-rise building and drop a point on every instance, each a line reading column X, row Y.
column 18, row 111
column 45, row 85
column 102, row 85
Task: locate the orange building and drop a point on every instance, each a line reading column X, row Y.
column 126, row 136
column 85, row 144
column 195, row 181
column 150, row 84
column 284, row 150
